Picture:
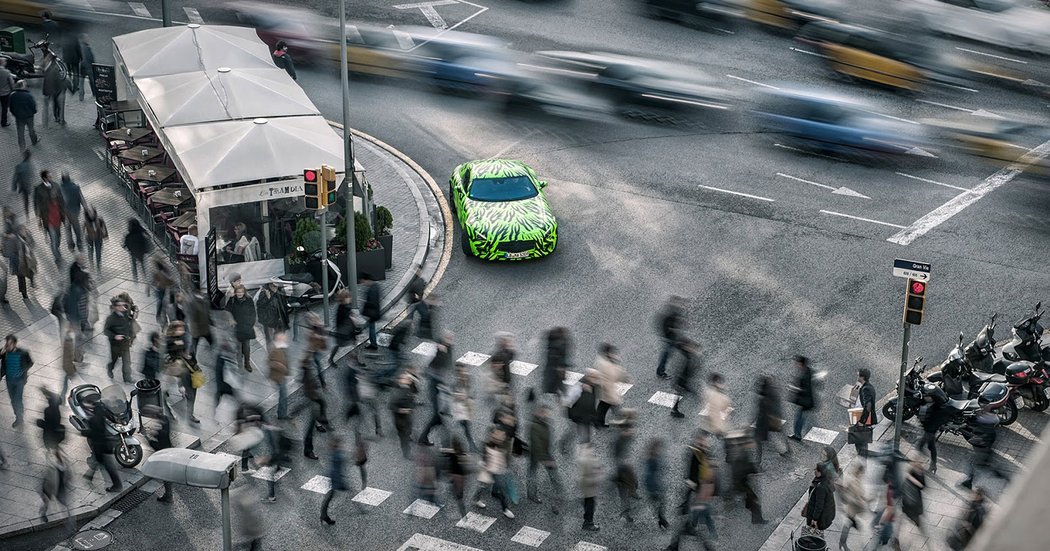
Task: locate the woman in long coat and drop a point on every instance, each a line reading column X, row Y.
column 242, row 308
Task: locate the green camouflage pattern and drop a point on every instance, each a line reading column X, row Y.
column 492, row 229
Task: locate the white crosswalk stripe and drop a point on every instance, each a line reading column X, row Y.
column 665, row 399
column 821, row 436
column 372, row 496
column 422, row 509
column 588, row 546
column 419, row 542
column 572, row 377
column 532, row 537
column 475, row 522
column 319, row 484
column 425, row 348
column 264, row 473
column 622, row 388
column 139, row 8
column 383, row 339
column 474, row 358
column 522, row 369
column 193, row 15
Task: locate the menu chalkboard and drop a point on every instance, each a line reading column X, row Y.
column 103, row 83
column 212, row 258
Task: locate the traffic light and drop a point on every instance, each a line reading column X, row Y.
column 915, row 302
column 312, row 189
column 329, row 185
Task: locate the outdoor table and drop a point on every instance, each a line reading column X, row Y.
column 167, row 196
column 131, row 135
column 185, row 219
column 160, row 173
column 135, row 154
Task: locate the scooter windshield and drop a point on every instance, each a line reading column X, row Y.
column 114, row 400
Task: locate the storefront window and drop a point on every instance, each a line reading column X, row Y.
column 261, row 230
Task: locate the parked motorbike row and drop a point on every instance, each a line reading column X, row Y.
column 972, row 378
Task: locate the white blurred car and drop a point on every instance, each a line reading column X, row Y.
column 997, row 22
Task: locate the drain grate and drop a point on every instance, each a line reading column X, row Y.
column 130, row 501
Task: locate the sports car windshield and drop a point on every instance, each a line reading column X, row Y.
column 511, row 188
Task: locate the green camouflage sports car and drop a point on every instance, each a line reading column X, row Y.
column 502, row 211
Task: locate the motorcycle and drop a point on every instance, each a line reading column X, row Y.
column 913, row 394
column 120, row 424
column 1027, row 379
column 979, row 382
column 993, row 397
column 1026, row 343
column 304, row 289
column 23, row 66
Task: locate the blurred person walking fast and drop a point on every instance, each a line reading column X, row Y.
column 15, row 363
column 671, row 326
column 23, row 107
column 242, row 309
column 22, row 182
column 802, row 395
column 541, row 455
column 138, row 245
column 95, row 233
column 768, row 420
column 612, row 373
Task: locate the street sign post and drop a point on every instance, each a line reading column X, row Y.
column 910, row 269
column 917, row 274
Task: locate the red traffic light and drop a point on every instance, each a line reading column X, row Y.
column 310, row 175
column 918, row 287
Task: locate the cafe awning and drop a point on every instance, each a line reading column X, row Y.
column 223, row 94
column 190, row 48
column 219, row 153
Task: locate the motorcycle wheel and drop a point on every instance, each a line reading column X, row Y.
column 128, row 456
column 889, row 410
column 1041, row 402
column 1007, row 414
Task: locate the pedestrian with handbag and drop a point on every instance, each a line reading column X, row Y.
column 802, row 395
column 768, row 420
column 861, row 433
column 492, row 475
column 819, row 510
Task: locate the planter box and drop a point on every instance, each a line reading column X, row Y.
column 372, row 263
column 388, row 249
column 290, row 268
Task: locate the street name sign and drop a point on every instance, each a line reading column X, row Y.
column 910, row 269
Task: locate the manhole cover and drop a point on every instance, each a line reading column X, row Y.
column 91, row 539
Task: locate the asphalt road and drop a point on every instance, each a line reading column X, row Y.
column 765, row 278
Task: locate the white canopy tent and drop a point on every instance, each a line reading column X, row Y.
column 223, row 94
column 174, row 50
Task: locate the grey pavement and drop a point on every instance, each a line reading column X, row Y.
column 418, row 239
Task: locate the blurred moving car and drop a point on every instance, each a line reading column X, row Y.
column 645, row 89
column 371, row 50
column 791, row 14
column 455, row 61
column 30, row 11
column 692, row 12
column 994, row 139
column 835, row 125
column 298, row 27
column 878, row 56
column 997, row 22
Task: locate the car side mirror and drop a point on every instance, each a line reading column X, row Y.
column 543, row 184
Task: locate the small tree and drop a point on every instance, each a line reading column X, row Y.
column 362, row 232
column 307, row 234
column 384, row 220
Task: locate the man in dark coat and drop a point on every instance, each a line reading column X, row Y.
column 87, row 59
column 802, row 395
column 242, row 309
column 22, row 105
column 502, row 357
column 559, row 350
column 101, row 449
column 769, row 418
column 160, row 439
column 438, row 376
column 868, row 416
column 372, row 309
column 54, row 87
column 282, row 59
column 820, row 509
column 73, row 199
column 22, row 183
column 15, row 363
column 118, row 331
column 272, row 308
column 671, row 326
column 540, row 455
column 54, row 430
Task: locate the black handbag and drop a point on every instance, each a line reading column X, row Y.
column 859, row 434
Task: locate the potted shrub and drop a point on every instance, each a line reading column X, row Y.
column 385, row 221
column 305, row 240
column 370, row 256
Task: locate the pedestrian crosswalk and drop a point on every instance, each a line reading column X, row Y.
column 422, row 509
column 474, row 359
column 665, row 399
column 533, row 537
column 476, row 522
column 319, row 484
column 372, row 497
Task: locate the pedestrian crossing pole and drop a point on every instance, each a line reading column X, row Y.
column 349, row 164
column 324, row 261
column 165, row 12
column 898, row 422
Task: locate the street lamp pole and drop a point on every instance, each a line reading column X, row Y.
column 348, row 160
column 165, row 12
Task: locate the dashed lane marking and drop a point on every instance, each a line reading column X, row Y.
column 833, row 213
column 737, row 193
column 319, row 484
column 372, row 496
column 532, row 537
column 992, row 55
column 422, row 509
column 665, row 399
column 756, row 83
column 475, row 522
column 139, row 8
column 836, row 190
column 821, row 436
column 474, row 359
column 193, row 15
column 419, row 542
column 588, row 546
column 521, row 369
column 934, row 182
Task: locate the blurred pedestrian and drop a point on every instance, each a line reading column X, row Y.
column 769, row 419
column 277, row 360
column 463, row 403
column 854, row 499
column 885, row 519
column 492, row 472
column 22, row 183
column 655, row 488
column 802, row 395
column 49, row 27
column 316, row 402
column 541, row 455
column 559, row 354
column 55, row 85
column 683, row 382
column 159, row 439
column 982, row 439
column 54, row 432
column 372, row 310
column 935, row 415
column 701, row 478
column 581, row 404
column 71, row 58
column 225, row 354
column 181, row 366
column 101, row 446
column 15, row 363
column 164, row 278
column 55, row 485
column 499, row 363
column 624, row 477
column 242, row 309
column 361, row 460
column 95, row 232
column 402, row 403
column 118, row 330
column 911, row 492
column 438, row 374
column 976, row 512
column 718, row 406
column 830, row 462
column 612, row 374
column 87, row 59
column 271, row 305
column 23, row 107
column 743, row 472
column 428, row 308
column 590, row 472
column 316, row 344
column 50, row 210
column 279, row 456
column 671, row 327
column 868, row 417
column 7, row 86
column 819, row 510
column 152, row 364
column 283, row 59
column 336, row 474
column 70, row 356
column 138, row 245
column 74, row 203
column 251, row 524
column 456, row 465
column 346, row 330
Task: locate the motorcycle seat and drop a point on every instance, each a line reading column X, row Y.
column 25, row 58
column 961, row 405
column 989, row 377
column 303, row 277
column 88, row 399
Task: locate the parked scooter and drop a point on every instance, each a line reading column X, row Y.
column 978, row 382
column 83, row 399
column 914, row 397
column 23, row 66
column 994, row 396
column 1027, row 339
column 304, row 288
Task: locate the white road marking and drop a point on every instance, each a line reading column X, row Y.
column 504, row 151
column 819, row 435
column 737, row 193
column 983, row 113
column 422, row 509
column 753, row 82
column 836, row 190
column 588, row 546
column 474, row 359
column 781, row 174
column 944, row 212
column 572, row 377
column 522, row 369
column 665, row 399
column 193, row 15
column 622, row 388
column 992, row 55
column 139, row 8
column 884, row 115
column 475, row 522
column 319, row 484
column 782, row 146
column 481, row 10
column 727, row 31
column 833, row 213
column 419, row 542
column 945, row 105
column 934, row 182
column 532, row 537
column 264, row 473
column 807, row 52
column 427, row 8
column 372, row 496
column 425, row 348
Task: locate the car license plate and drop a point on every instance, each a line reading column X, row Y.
column 518, row 255
column 1046, row 391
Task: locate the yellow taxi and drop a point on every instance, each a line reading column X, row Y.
column 868, row 54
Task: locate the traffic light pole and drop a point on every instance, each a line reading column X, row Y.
column 898, row 423
column 165, row 12
column 324, row 262
column 348, row 163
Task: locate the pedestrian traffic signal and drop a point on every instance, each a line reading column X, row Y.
column 312, row 189
column 329, row 185
column 915, row 302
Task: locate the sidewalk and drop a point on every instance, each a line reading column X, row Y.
column 945, row 502
column 419, row 232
